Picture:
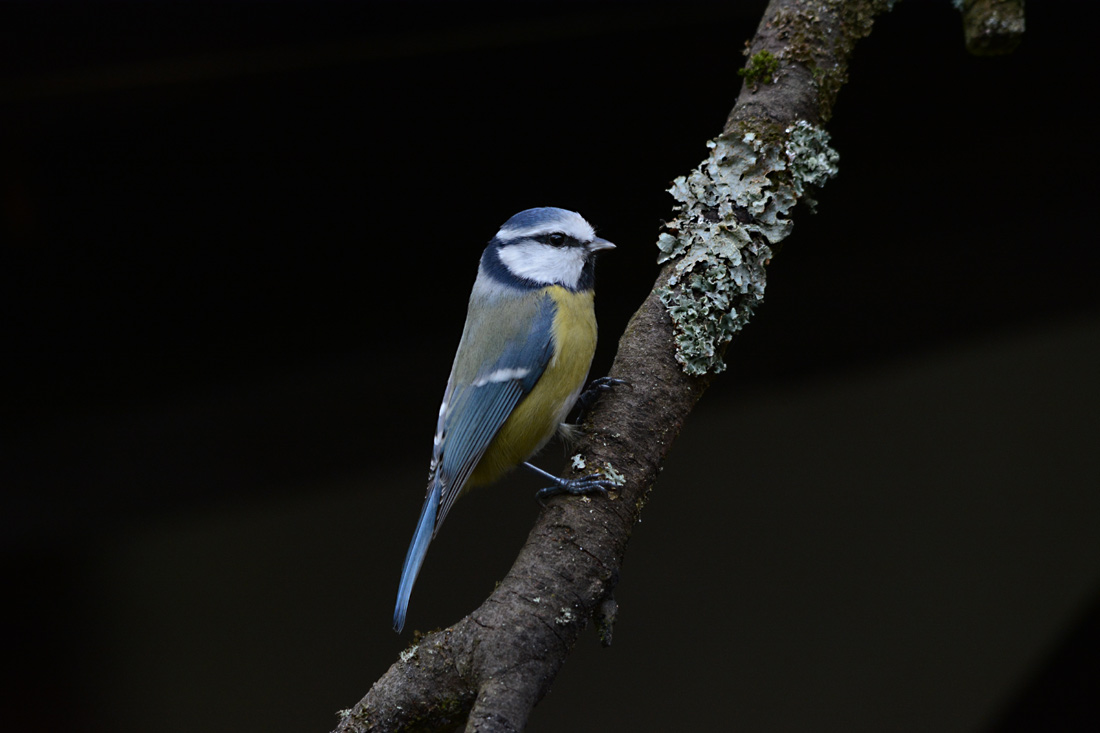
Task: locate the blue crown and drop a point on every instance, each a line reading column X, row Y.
column 536, row 217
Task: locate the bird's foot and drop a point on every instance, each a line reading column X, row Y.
column 592, row 393
column 593, row 483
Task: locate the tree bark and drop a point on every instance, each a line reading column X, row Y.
column 490, row 668
column 992, row 27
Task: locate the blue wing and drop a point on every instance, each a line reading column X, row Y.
column 482, row 396
column 503, row 353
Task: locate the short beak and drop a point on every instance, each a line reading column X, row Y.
column 597, row 244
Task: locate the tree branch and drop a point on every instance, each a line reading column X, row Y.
column 992, row 27
column 490, row 668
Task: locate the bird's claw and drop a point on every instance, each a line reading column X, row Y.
column 592, row 393
column 590, row 484
column 605, row 383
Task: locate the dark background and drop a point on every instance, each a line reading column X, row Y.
column 237, row 242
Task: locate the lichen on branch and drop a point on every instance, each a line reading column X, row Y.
column 732, row 209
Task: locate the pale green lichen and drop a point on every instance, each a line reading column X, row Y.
column 732, row 208
column 577, row 462
column 409, row 653
column 612, row 475
column 812, row 161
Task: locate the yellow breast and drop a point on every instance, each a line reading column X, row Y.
column 538, row 415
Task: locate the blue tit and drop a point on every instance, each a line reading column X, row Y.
column 524, row 355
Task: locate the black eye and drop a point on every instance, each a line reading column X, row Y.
column 557, row 239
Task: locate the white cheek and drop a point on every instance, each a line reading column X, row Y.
column 544, row 263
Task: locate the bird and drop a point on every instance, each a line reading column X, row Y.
column 521, row 363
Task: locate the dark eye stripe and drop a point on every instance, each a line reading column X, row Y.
column 555, row 239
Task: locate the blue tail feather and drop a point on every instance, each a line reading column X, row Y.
column 415, row 558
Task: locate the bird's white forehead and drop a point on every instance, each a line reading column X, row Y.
column 569, row 223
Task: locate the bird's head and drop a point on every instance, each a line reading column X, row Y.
column 545, row 246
